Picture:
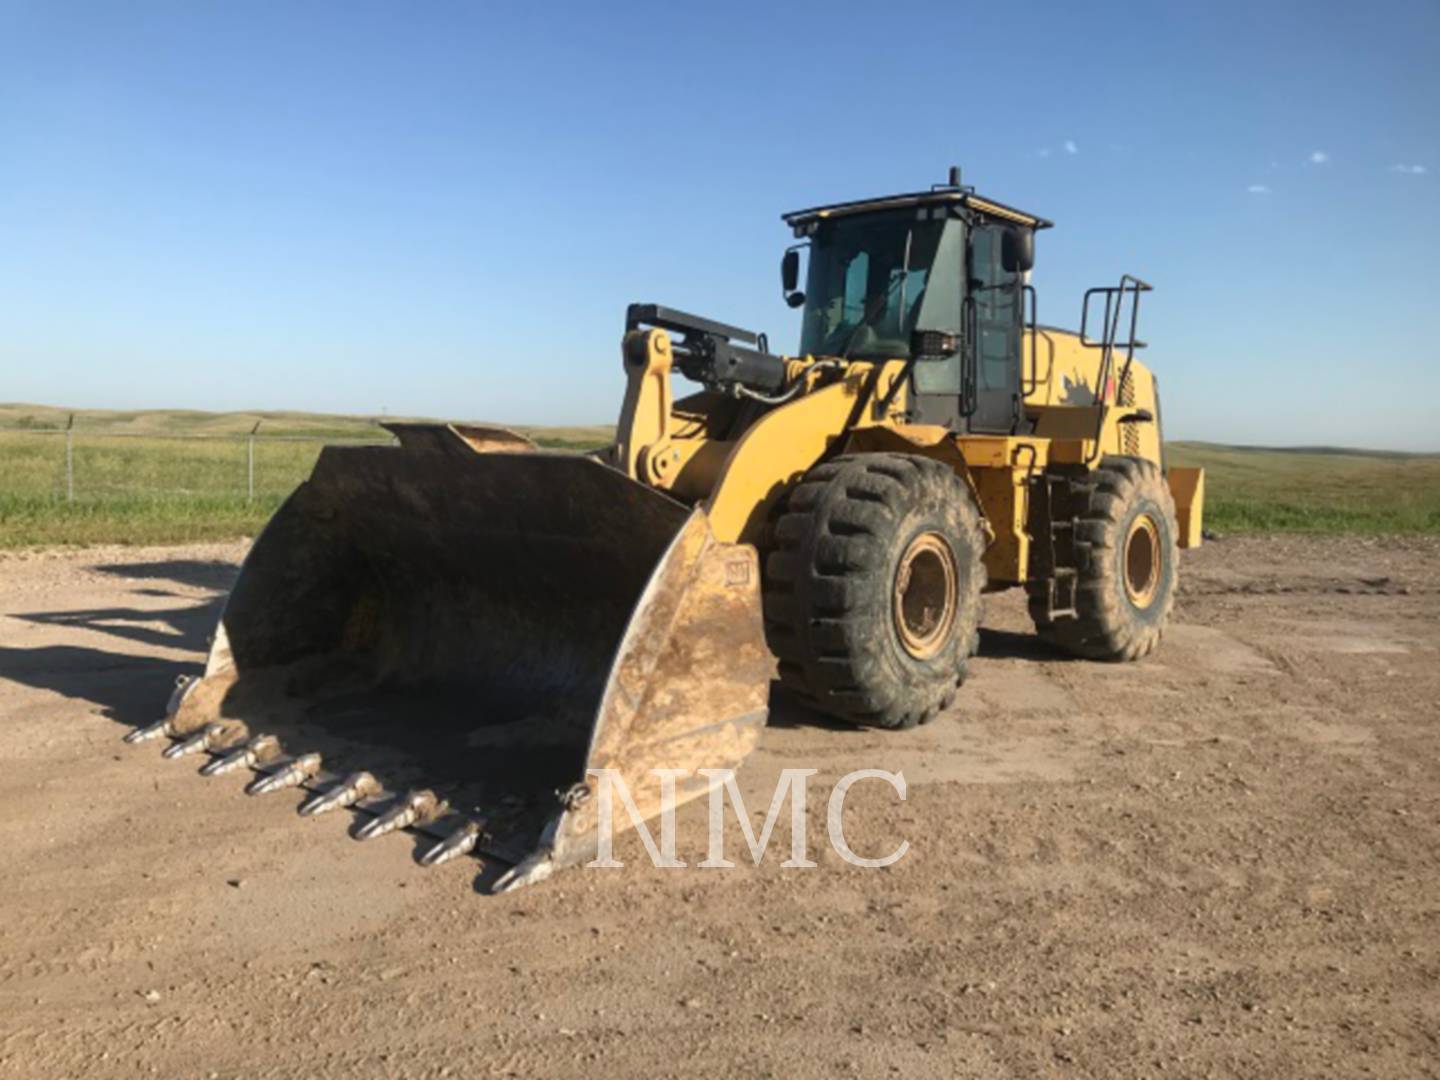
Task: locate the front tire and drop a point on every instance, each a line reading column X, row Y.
column 872, row 588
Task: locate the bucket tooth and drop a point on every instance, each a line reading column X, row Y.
column 347, row 792
column 535, row 868
column 207, row 738
column 255, row 751
column 292, row 775
column 157, row 730
column 417, row 806
column 460, row 842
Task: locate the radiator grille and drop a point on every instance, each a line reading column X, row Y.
column 1129, row 433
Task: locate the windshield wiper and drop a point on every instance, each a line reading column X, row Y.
column 904, row 273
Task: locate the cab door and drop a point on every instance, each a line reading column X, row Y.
column 995, row 299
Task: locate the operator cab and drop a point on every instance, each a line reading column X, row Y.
column 935, row 278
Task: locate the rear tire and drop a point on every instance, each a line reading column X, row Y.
column 1127, row 563
column 872, row 588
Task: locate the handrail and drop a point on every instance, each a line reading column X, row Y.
column 1026, row 389
column 1114, row 307
column 969, row 357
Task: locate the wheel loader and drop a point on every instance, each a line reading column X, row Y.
column 451, row 634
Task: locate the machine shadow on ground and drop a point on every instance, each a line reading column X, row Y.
column 217, row 574
column 1009, row 645
column 186, row 628
column 131, row 690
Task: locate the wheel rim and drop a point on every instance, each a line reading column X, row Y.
column 926, row 593
column 1142, row 561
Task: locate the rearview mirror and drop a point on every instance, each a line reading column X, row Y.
column 790, row 270
column 1017, row 250
column 790, row 277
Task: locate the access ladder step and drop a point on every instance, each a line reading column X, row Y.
column 1061, row 598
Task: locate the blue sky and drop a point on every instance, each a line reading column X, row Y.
column 443, row 208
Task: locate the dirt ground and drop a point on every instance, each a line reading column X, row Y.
column 1222, row 861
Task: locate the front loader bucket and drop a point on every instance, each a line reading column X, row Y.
column 482, row 626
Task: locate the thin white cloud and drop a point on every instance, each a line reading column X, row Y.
column 1319, row 157
column 1258, row 189
column 1044, row 151
column 1070, row 147
column 1409, row 170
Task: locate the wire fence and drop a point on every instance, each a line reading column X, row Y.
column 74, row 465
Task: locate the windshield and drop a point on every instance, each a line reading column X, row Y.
column 875, row 278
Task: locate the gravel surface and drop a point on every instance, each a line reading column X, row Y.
column 1221, row 861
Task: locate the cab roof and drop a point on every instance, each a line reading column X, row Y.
column 937, row 196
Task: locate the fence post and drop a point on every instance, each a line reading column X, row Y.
column 250, row 462
column 70, row 459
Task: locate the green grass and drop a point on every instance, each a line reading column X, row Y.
column 28, row 521
column 1315, row 489
column 137, row 483
column 141, row 489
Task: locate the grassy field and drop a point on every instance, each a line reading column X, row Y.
column 1319, row 489
column 145, row 477
column 174, row 422
column 137, row 480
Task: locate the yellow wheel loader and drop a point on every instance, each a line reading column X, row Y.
column 450, row 635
